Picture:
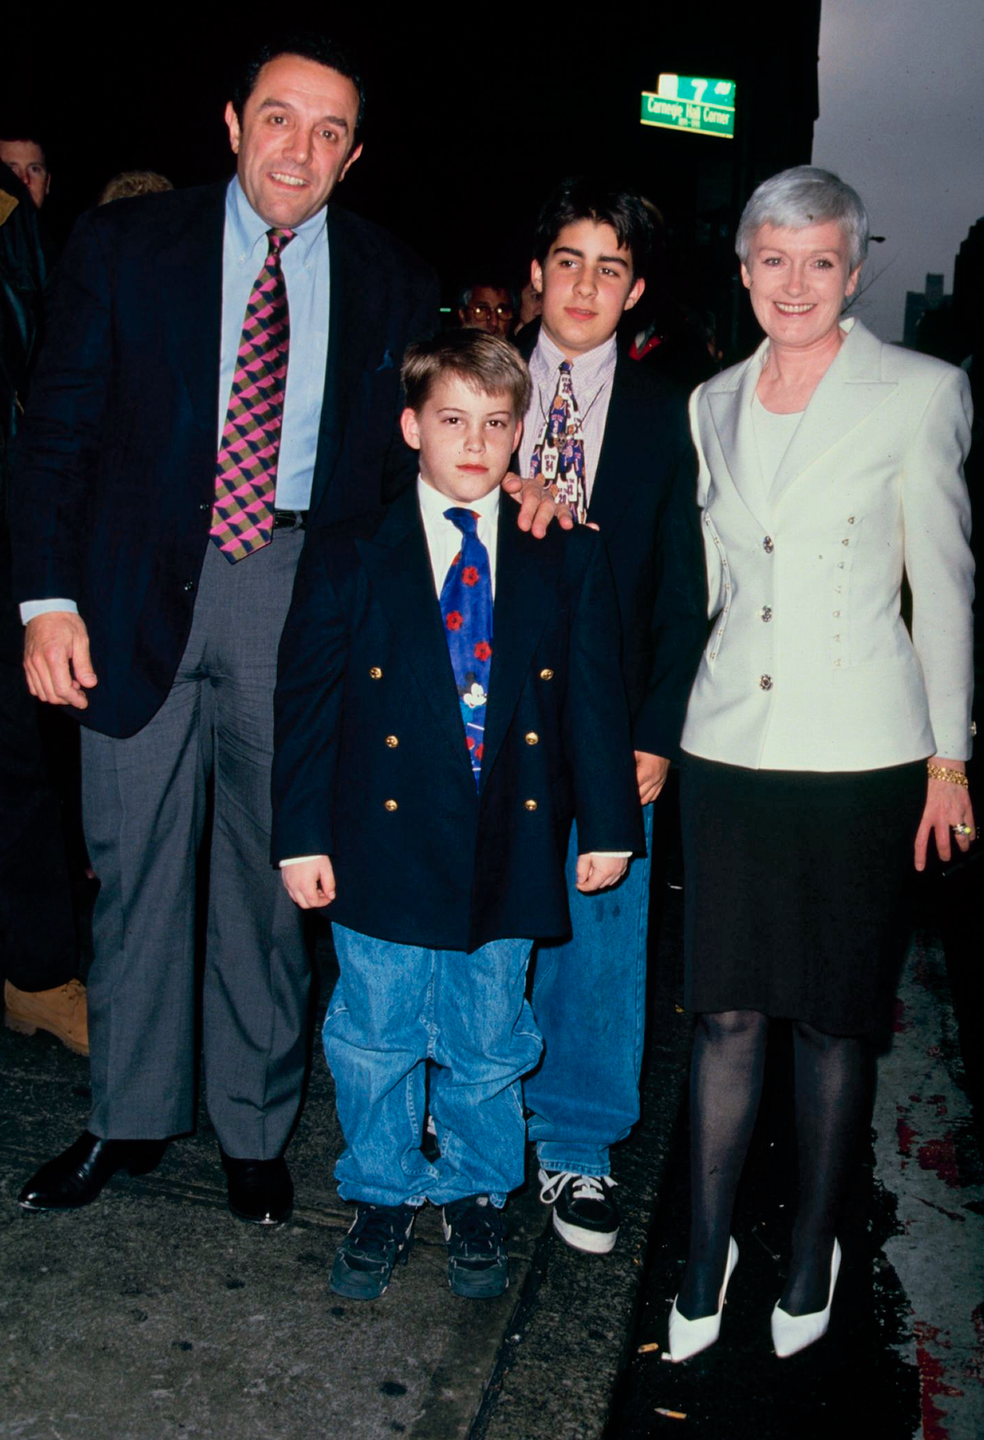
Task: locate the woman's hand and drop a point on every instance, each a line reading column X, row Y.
column 947, row 807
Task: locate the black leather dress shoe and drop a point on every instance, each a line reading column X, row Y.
column 76, row 1176
column 260, row 1191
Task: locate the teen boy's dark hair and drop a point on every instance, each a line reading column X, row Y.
column 486, row 363
column 582, row 197
column 310, row 45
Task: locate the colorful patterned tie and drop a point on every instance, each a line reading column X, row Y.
column 558, row 457
column 466, row 607
column 246, row 471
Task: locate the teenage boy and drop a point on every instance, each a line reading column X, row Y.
column 432, row 748
column 612, row 440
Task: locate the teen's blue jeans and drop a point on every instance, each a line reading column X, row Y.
column 394, row 1008
column 589, row 998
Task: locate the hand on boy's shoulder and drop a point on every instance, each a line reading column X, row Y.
column 538, row 510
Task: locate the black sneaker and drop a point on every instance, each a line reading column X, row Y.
column 584, row 1211
column 377, row 1239
column 478, row 1266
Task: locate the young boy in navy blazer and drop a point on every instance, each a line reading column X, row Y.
column 449, row 700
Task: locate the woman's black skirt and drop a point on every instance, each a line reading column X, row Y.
column 796, row 886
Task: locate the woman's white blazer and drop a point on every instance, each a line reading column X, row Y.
column 809, row 665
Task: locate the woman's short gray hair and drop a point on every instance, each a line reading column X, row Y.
column 804, row 195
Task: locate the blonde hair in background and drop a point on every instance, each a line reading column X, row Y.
column 133, row 182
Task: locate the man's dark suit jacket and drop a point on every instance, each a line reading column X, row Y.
column 114, row 476
column 370, row 765
column 644, row 501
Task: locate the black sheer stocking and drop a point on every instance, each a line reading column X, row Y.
column 832, row 1102
column 725, row 1085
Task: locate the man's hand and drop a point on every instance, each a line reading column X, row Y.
column 310, row 883
column 536, row 506
column 651, row 773
column 56, row 659
column 597, row 872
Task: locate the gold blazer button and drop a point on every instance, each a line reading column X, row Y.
column 375, row 673
column 532, row 738
column 390, row 805
column 529, row 804
column 392, row 741
column 546, row 674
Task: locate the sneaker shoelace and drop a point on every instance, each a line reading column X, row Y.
column 585, row 1187
column 374, row 1228
column 480, row 1228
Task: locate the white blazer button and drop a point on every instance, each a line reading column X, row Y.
column 766, row 612
column 768, row 545
column 766, row 682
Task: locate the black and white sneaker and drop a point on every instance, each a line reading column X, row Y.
column 475, row 1231
column 379, row 1237
column 584, row 1211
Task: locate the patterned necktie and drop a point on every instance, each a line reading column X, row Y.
column 558, row 457
column 466, row 608
column 246, row 470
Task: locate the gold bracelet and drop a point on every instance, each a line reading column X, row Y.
column 943, row 772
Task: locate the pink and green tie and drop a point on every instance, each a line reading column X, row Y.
column 246, row 471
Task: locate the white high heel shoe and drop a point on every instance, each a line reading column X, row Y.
column 791, row 1333
column 689, row 1337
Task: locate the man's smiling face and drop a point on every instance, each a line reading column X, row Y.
column 296, row 140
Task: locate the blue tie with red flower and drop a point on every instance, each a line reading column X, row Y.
column 466, row 608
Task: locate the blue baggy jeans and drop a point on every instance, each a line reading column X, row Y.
column 589, row 999
column 396, row 1007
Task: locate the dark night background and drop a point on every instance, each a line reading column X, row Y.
column 470, row 120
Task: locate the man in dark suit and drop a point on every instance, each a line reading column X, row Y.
column 612, row 441
column 448, row 697
column 154, row 581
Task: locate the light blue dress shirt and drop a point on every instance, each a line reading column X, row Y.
column 305, row 267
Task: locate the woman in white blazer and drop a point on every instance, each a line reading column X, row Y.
column 830, row 466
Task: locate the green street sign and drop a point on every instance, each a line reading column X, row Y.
column 690, row 102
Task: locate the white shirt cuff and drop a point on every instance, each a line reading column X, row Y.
column 298, row 860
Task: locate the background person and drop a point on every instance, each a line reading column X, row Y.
column 25, row 156
column 489, row 307
column 829, row 465
column 130, row 183
column 39, row 957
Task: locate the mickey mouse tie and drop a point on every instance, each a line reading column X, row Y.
column 466, row 608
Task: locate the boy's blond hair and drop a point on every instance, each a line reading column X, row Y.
column 486, row 363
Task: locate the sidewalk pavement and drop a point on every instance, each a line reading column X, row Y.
column 153, row 1314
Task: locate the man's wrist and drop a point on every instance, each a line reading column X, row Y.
column 31, row 609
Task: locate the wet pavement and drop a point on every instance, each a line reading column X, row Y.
column 153, row 1314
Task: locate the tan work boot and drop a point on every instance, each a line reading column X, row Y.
column 61, row 1010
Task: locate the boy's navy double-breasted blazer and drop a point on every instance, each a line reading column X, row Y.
column 370, row 764
column 643, row 500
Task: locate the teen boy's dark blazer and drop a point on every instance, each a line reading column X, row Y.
column 115, row 472
column 644, row 501
column 370, row 764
